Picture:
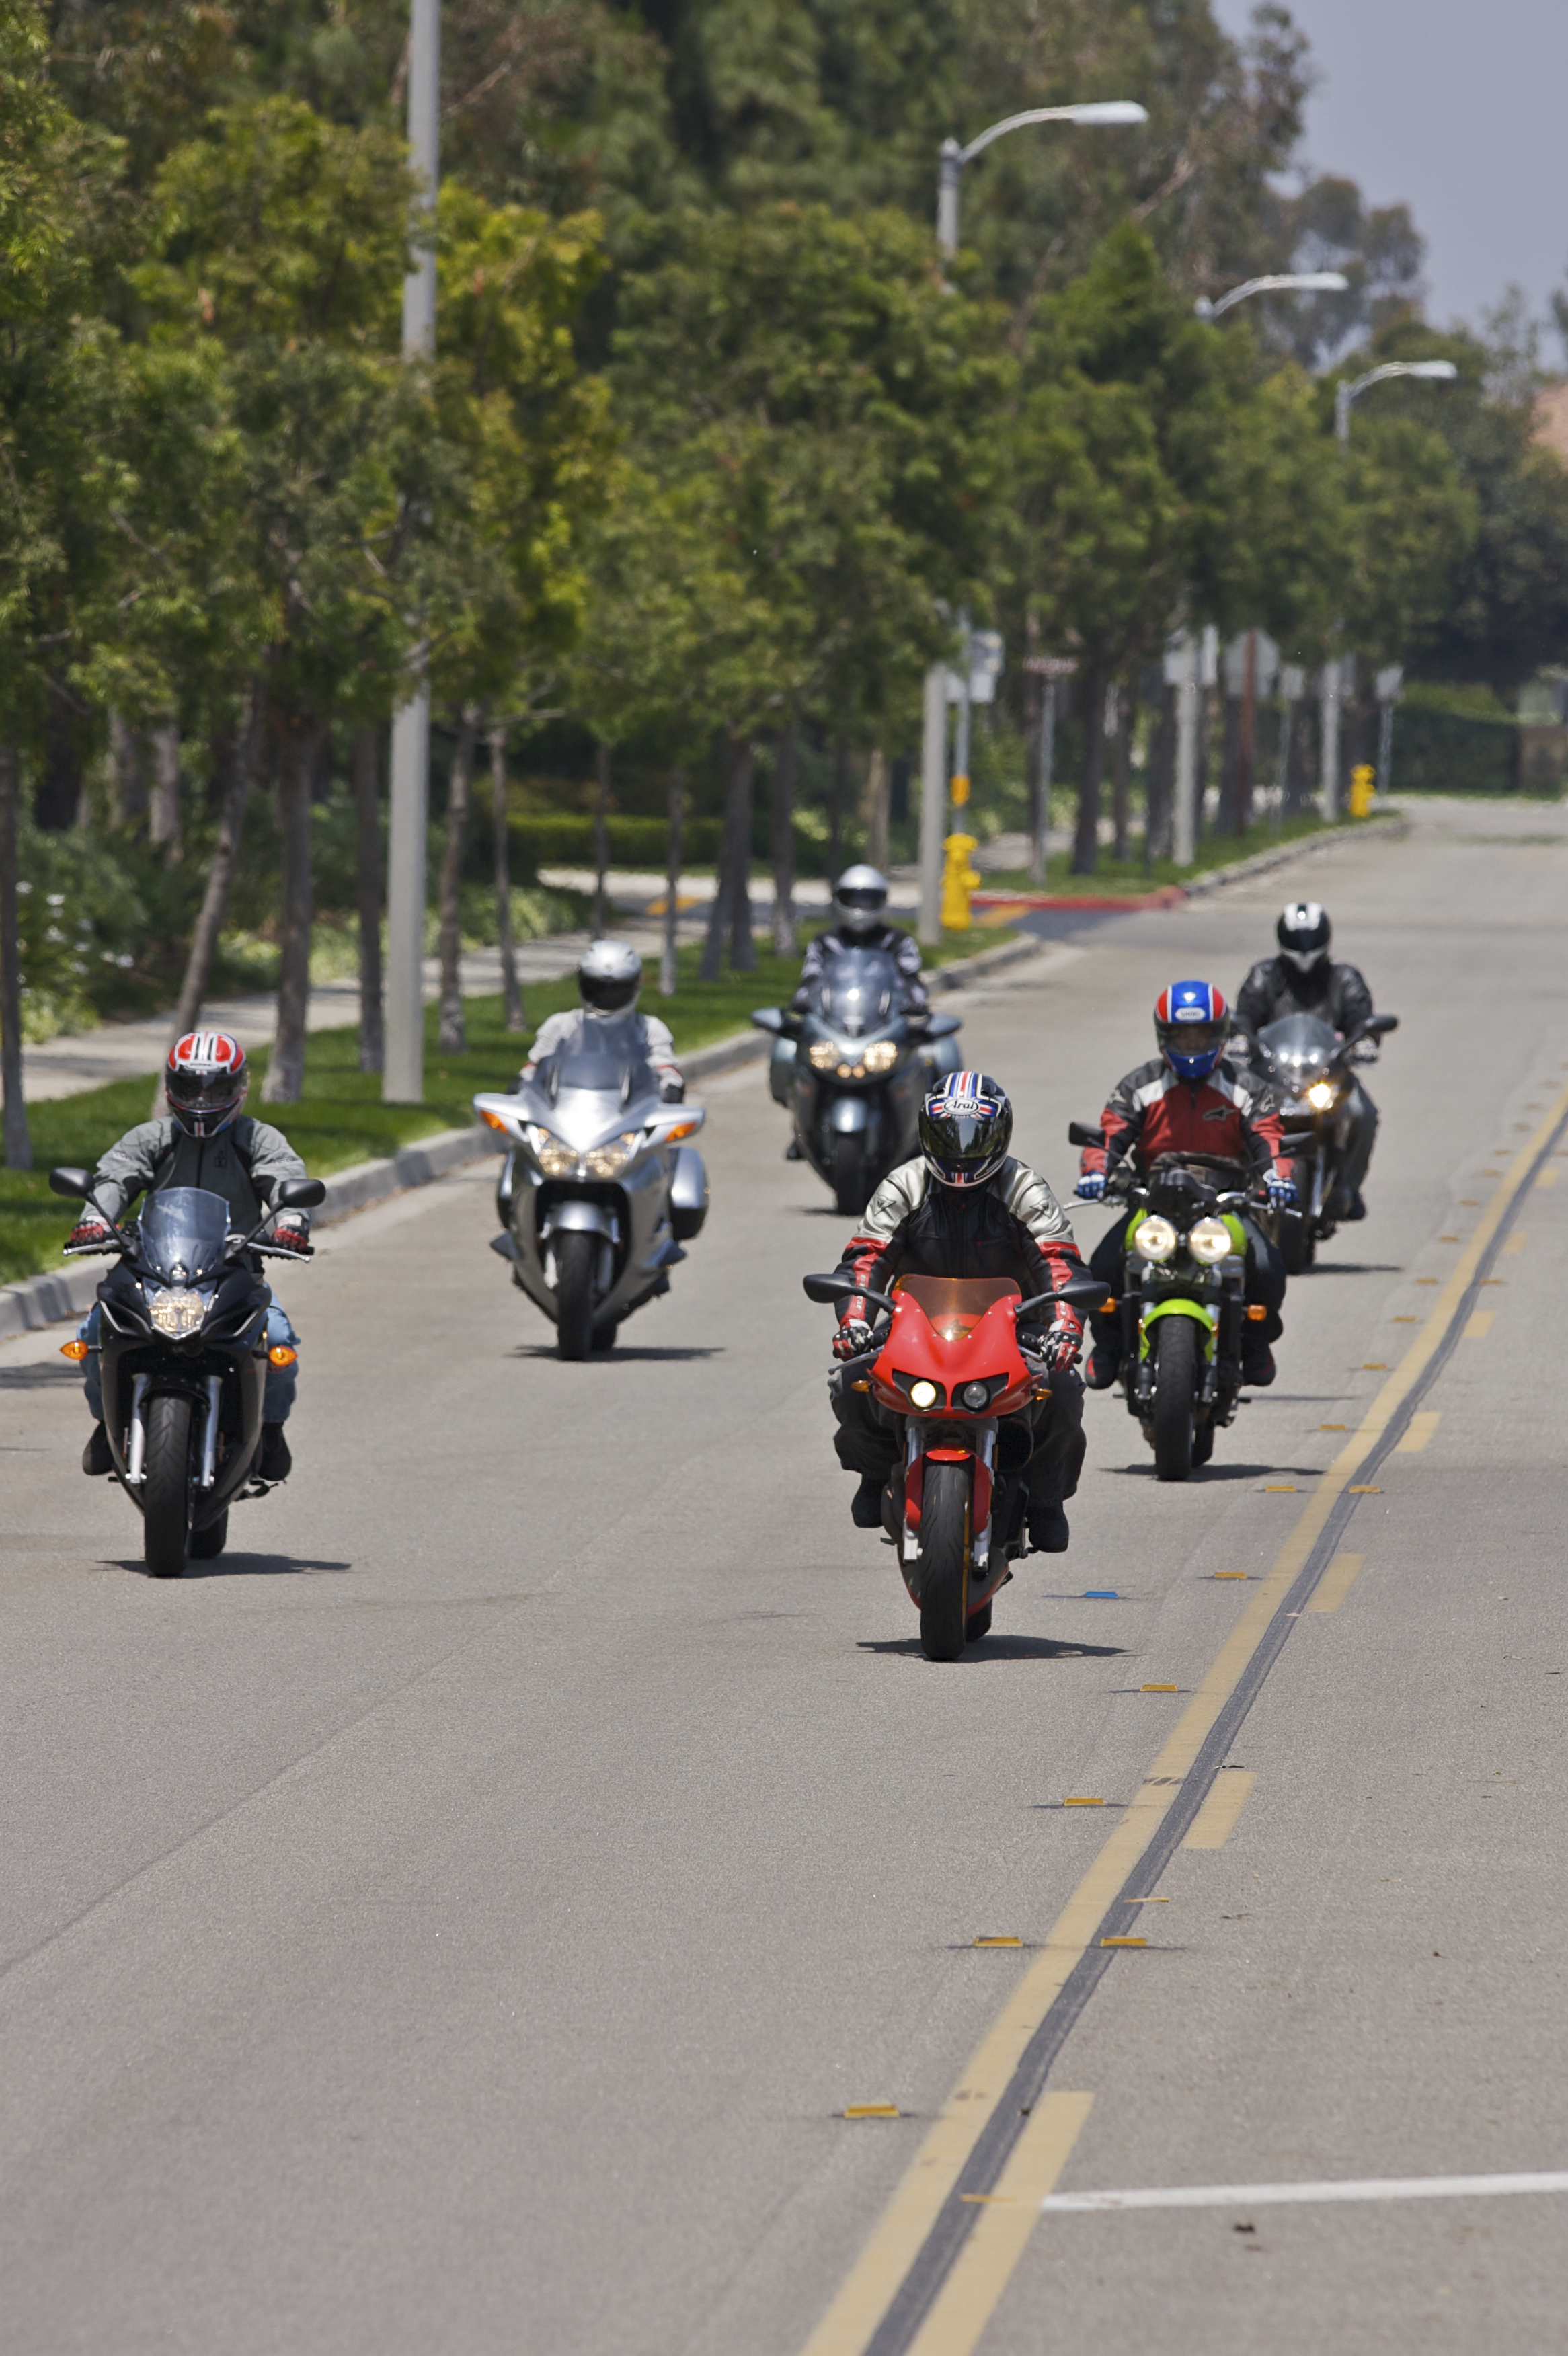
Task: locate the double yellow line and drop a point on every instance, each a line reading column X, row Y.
column 1004, row 2214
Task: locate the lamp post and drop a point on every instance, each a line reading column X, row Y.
column 1332, row 682
column 933, row 749
column 1290, row 282
column 402, row 1079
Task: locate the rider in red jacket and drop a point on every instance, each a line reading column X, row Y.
column 1188, row 1099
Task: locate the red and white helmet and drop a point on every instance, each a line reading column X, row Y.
column 205, row 1079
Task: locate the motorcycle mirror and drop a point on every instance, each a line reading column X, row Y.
column 68, row 1179
column 824, row 1290
column 300, row 1194
column 1380, row 1026
column 1079, row 1133
column 1082, row 1287
column 942, row 1026
column 768, row 1017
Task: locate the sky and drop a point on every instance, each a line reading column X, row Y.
column 1456, row 108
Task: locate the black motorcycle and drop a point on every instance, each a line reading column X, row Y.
column 1308, row 1066
column 853, row 1068
column 183, row 1360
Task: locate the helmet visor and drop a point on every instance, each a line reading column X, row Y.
column 196, row 1088
column 868, row 898
column 1194, row 1038
column 608, row 995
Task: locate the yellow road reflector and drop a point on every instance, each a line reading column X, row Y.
column 1336, row 1582
column 76, row 1350
column 1080, row 1801
column 1339, row 1426
column 1145, row 1902
column 1494, row 1280
column 1480, row 1325
column 1159, row 1688
column 871, row 2110
column 1421, row 1428
column 1216, row 1820
column 999, row 1943
column 1364, row 1489
column 1230, row 1574
column 1279, row 1488
column 1374, row 1366
column 1407, row 1321
column 1448, row 1240
column 1426, row 1279
column 1123, row 1943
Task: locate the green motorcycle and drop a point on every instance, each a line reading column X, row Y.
column 1182, row 1302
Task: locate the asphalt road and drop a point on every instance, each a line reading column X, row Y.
column 457, row 1920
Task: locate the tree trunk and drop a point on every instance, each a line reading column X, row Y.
column 878, row 806
column 163, row 814
column 57, row 793
column 368, row 893
column 451, row 1035
column 127, row 779
column 1229, row 820
column 835, row 808
column 781, row 812
column 1121, row 766
column 666, row 965
column 511, row 988
column 1085, row 841
column 1160, row 783
column 601, row 841
column 1246, row 736
column 209, row 929
column 731, row 909
column 19, row 1144
column 285, row 1072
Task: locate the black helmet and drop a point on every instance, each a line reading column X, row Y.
column 966, row 1127
column 1303, row 933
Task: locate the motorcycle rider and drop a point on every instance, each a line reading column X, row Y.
column 1303, row 980
column 964, row 1207
column 609, row 976
column 860, row 922
column 1189, row 1098
column 203, row 1141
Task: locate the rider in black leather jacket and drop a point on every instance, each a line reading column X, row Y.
column 1304, row 979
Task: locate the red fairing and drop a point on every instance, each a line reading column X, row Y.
column 1153, row 1112
column 1062, row 1263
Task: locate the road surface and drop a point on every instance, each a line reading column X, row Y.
column 458, row 1919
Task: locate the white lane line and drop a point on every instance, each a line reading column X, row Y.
column 1260, row 2196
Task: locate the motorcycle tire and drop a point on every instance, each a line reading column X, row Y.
column 1298, row 1245
column 1203, row 1440
column 977, row 1625
column 574, row 1257
column 166, row 1486
column 852, row 1185
column 205, row 1545
column 605, row 1335
column 944, row 1561
column 1176, row 1386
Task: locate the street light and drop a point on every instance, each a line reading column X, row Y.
column 1290, row 282
column 934, row 736
column 1435, row 371
column 1332, row 679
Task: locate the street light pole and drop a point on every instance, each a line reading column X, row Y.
column 402, row 1080
column 1331, row 679
column 933, row 746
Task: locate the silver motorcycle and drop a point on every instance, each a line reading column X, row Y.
column 598, row 1192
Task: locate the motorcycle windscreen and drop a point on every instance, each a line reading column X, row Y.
column 1299, row 1046
column 183, row 1229
column 858, row 992
column 955, row 1304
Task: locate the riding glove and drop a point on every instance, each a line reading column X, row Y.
column 853, row 1336
column 289, row 1236
column 1091, row 1186
column 86, row 1235
column 1281, row 1192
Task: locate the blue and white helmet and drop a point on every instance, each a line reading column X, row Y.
column 966, row 1127
column 1192, row 1023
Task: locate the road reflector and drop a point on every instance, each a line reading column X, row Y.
column 1216, row 1820
column 871, row 2110
column 1448, row 1240
column 1279, row 1488
column 1336, row 1582
column 999, row 1943
column 1374, row 1366
column 1494, row 1280
column 1123, row 1943
column 1407, row 1321
column 1421, row 1428
column 1229, row 1574
column 1159, row 1688
column 1079, row 1801
column 1480, row 1325
column 1145, row 1902
column 1364, row 1489
column 1335, row 1427
column 1100, row 1595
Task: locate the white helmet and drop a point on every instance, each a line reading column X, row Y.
column 609, row 976
column 859, row 900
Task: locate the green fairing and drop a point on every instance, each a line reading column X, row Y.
column 1179, row 1308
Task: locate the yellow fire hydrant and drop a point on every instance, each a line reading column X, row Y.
column 959, row 878
column 1363, row 777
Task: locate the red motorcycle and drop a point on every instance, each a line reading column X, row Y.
column 950, row 1368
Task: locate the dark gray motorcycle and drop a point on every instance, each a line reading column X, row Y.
column 852, row 1068
column 1309, row 1066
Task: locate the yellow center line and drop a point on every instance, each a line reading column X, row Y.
column 932, row 2175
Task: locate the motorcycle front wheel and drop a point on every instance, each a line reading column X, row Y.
column 944, row 1561
column 574, row 1257
column 1176, row 1388
column 1298, row 1245
column 166, row 1486
column 207, row 1545
column 851, row 1186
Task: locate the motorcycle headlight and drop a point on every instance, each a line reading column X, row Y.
column 822, row 1056
column 176, row 1313
column 1321, row 1095
column 556, row 1161
column 1211, row 1241
column 881, row 1056
column 609, row 1160
column 1154, row 1239
column 923, row 1394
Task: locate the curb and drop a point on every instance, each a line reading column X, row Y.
column 40, row 1301
column 1170, row 896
